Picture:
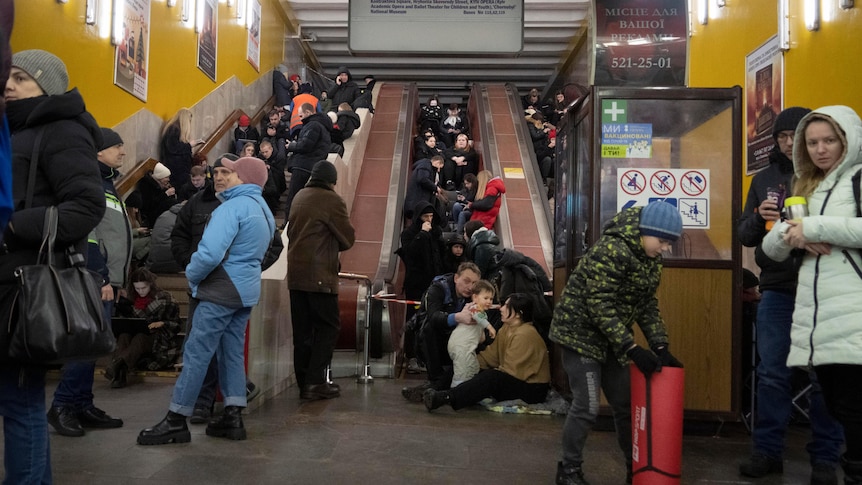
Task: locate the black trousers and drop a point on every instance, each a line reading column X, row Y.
column 316, row 324
column 437, row 360
column 843, row 396
column 298, row 178
column 500, row 386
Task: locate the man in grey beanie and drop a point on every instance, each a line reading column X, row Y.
column 319, row 228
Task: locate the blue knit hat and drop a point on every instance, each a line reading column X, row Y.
column 661, row 220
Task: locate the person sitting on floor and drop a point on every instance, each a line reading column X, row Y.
column 160, row 346
column 514, row 366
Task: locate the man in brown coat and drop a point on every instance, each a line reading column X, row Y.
column 318, row 229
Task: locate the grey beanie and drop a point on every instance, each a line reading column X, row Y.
column 662, row 220
column 324, row 171
column 45, row 68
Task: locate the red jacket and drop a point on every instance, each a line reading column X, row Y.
column 491, row 199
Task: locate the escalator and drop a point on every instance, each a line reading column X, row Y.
column 500, row 135
column 376, row 215
column 524, row 223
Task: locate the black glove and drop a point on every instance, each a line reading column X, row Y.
column 645, row 360
column 666, row 358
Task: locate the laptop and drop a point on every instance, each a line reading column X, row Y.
column 122, row 325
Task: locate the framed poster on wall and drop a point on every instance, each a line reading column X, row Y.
column 207, row 37
column 253, row 49
column 764, row 97
column 132, row 53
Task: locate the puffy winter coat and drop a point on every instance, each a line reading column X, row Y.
column 827, row 328
column 487, row 207
column 226, row 267
column 612, row 288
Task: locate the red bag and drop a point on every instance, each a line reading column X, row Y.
column 657, row 406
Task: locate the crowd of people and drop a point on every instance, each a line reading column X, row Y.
column 479, row 330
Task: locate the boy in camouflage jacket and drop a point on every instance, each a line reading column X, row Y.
column 613, row 287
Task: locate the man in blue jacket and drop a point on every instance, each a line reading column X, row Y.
column 224, row 274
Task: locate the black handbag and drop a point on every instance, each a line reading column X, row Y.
column 57, row 313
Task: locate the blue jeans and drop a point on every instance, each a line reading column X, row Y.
column 218, row 330
column 460, row 214
column 774, row 393
column 586, row 378
column 27, row 453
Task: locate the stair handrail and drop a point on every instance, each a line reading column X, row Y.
column 129, row 180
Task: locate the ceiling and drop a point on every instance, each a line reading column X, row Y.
column 551, row 30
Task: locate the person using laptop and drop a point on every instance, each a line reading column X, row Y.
column 156, row 348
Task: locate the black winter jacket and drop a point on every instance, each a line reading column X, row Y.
column 348, row 122
column 68, row 177
column 312, row 145
column 774, row 275
column 421, row 251
column 191, row 222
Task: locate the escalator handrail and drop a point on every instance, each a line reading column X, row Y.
column 405, row 131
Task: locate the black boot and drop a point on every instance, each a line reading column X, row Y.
column 93, row 417
column 65, row 421
column 228, row 425
column 570, row 475
column 852, row 471
column 171, row 429
column 434, row 399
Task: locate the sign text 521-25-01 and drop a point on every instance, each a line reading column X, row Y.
column 640, row 62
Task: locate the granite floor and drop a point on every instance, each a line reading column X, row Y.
column 372, row 435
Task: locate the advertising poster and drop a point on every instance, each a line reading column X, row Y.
column 764, row 73
column 253, row 50
column 208, row 38
column 640, row 43
column 133, row 51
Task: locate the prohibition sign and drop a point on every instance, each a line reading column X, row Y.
column 693, row 183
column 633, row 182
column 662, row 182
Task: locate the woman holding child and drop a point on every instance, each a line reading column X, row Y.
column 514, row 366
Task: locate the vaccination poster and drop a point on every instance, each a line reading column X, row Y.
column 208, row 37
column 764, row 73
column 133, row 50
column 253, row 49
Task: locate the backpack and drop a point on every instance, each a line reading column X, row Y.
column 417, row 321
column 514, row 272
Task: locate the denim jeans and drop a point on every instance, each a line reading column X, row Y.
column 586, row 377
column 75, row 389
column 774, row 393
column 223, row 335
column 460, row 214
column 209, row 387
column 26, row 448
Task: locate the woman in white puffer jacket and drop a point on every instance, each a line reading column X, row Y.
column 827, row 319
